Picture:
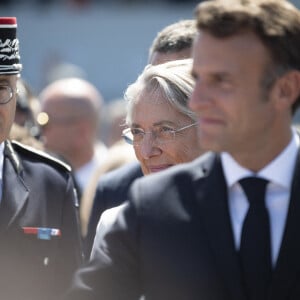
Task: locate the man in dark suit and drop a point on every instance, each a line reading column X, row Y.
column 171, row 43
column 40, row 245
column 184, row 231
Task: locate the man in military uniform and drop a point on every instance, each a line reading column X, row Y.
column 39, row 234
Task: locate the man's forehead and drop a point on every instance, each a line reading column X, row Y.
column 214, row 47
column 8, row 79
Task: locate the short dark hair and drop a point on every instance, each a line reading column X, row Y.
column 175, row 37
column 275, row 22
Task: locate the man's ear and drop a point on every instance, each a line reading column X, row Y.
column 287, row 89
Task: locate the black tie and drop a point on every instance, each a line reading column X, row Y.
column 255, row 249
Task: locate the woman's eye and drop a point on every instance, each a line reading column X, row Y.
column 165, row 129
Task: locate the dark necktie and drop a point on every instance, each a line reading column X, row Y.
column 255, row 251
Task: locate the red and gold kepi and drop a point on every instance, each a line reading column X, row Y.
column 9, row 46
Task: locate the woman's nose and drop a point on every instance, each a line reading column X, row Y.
column 148, row 147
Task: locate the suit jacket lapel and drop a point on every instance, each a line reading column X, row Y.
column 288, row 262
column 212, row 197
column 15, row 193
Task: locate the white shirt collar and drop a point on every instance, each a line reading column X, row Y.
column 279, row 171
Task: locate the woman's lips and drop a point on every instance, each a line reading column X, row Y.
column 158, row 168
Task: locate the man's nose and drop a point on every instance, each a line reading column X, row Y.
column 200, row 98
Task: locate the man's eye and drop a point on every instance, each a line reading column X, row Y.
column 223, row 81
column 136, row 131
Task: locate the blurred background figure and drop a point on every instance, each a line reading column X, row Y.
column 69, row 119
column 173, row 42
column 113, row 120
column 27, row 108
column 58, row 69
column 25, row 128
column 22, row 135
